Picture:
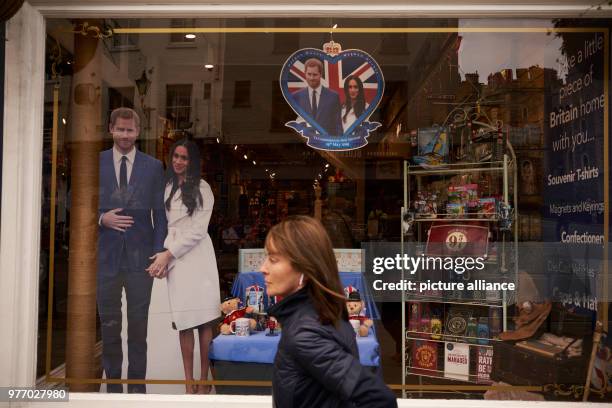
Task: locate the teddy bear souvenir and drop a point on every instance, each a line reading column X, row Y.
column 360, row 323
column 231, row 311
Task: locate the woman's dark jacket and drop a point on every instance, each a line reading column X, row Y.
column 317, row 366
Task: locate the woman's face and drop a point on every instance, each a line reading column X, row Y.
column 353, row 89
column 280, row 277
column 180, row 160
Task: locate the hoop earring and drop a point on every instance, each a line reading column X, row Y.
column 301, row 280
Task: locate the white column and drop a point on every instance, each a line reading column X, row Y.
column 21, row 196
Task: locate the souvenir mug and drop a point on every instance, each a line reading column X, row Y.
column 240, row 327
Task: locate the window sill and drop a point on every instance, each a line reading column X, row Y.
column 85, row 400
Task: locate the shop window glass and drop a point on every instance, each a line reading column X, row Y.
column 491, row 140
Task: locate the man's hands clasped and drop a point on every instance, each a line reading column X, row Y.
column 111, row 219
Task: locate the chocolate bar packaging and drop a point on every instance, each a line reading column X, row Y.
column 424, row 357
column 457, row 361
column 484, row 365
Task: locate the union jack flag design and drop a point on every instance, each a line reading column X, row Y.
column 337, row 69
column 335, row 73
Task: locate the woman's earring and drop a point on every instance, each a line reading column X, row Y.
column 301, row 280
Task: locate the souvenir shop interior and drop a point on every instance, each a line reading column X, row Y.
column 491, row 143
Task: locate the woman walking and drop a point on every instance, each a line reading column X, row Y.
column 317, row 363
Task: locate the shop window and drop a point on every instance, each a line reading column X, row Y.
column 438, row 152
column 178, row 105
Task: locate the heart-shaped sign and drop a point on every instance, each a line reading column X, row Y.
column 333, row 95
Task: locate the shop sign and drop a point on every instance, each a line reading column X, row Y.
column 573, row 180
column 334, row 93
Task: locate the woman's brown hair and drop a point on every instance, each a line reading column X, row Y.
column 305, row 243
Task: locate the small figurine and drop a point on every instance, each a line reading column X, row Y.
column 272, row 323
column 505, row 214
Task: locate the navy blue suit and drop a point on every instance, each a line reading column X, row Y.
column 122, row 259
column 328, row 109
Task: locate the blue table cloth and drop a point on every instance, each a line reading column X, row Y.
column 259, row 348
column 355, row 279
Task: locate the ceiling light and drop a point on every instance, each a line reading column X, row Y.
column 190, row 36
column 209, row 66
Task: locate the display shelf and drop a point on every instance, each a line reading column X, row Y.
column 503, row 178
column 454, row 337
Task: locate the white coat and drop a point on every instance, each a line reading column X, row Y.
column 193, row 279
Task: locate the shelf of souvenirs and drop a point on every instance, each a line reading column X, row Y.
column 439, row 374
column 456, row 168
column 467, row 302
column 453, row 338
